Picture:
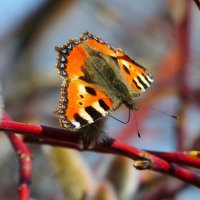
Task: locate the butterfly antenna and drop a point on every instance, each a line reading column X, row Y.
column 136, row 123
column 129, row 115
column 158, row 110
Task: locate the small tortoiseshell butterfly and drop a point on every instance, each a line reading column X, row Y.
column 97, row 80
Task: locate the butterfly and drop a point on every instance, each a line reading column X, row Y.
column 97, row 79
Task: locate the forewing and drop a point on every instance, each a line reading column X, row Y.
column 71, row 58
column 138, row 77
column 97, row 44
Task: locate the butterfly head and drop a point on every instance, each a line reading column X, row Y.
column 131, row 104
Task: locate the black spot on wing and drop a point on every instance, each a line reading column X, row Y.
column 79, row 119
column 126, row 69
column 90, row 90
column 94, row 114
column 103, row 104
column 115, row 61
column 145, row 76
column 138, row 87
column 143, row 84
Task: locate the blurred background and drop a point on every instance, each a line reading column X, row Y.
column 163, row 36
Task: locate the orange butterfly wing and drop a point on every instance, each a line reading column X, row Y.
column 81, row 102
column 100, row 45
column 138, row 77
column 71, row 58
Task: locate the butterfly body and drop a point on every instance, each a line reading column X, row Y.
column 101, row 71
column 97, row 80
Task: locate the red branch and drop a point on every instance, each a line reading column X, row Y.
column 190, row 158
column 25, row 163
column 60, row 137
column 182, row 35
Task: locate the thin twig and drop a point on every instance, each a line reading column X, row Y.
column 25, row 163
column 190, row 158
